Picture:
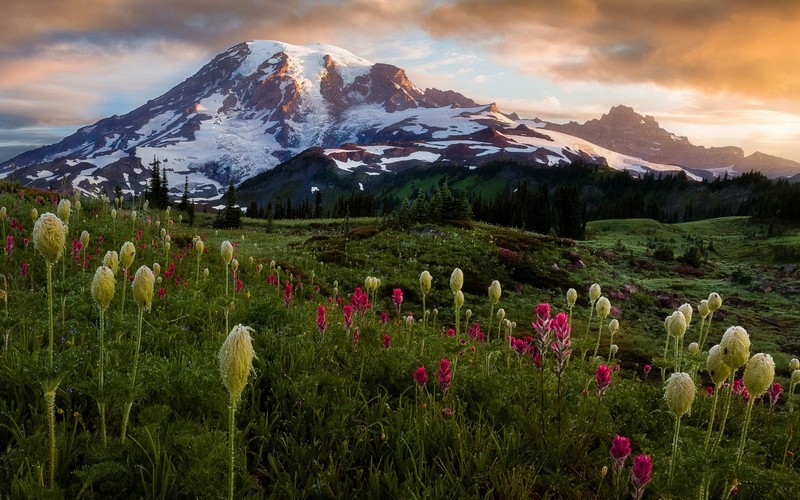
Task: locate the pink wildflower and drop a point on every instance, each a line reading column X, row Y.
column 640, row 474
column 445, row 375
column 387, row 341
column 620, row 449
column 774, row 393
column 161, row 292
column 397, row 299
column 647, row 368
column 347, row 311
column 287, row 294
column 9, row 244
column 421, row 375
column 25, row 268
column 602, row 379
column 359, row 300
column 384, row 317
column 451, row 332
column 322, row 323
column 239, row 285
column 356, row 336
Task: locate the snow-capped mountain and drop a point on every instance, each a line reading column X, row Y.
column 261, row 103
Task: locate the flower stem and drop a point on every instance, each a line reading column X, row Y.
column 133, row 375
column 588, row 326
column 674, row 449
column 711, row 420
column 232, row 408
column 101, row 403
column 599, row 334
column 50, row 302
column 725, row 414
column 50, row 398
column 226, row 281
column 744, row 431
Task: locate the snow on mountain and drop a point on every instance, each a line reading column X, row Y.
column 261, row 103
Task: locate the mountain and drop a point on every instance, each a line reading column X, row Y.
column 262, row 103
column 625, row 131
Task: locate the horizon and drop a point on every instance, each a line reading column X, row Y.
column 62, row 68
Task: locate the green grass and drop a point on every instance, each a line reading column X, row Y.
column 322, row 417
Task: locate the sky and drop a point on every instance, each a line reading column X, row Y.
column 721, row 72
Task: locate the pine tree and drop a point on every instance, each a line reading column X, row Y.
column 163, row 196
column 155, row 183
column 184, row 204
column 318, row 204
column 230, row 216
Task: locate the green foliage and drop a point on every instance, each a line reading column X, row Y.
column 230, row 216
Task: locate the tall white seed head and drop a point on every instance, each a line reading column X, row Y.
column 49, row 235
column 796, row 376
column 714, row 302
column 702, row 309
column 676, row 324
column 794, row 364
column 111, row 260
column 495, row 292
column 694, row 348
column 226, row 250
column 594, row 292
column 236, row 360
column 686, row 310
column 613, row 326
column 735, row 346
column 679, row 393
column 425, row 282
column 103, row 286
column 716, row 366
column 572, row 297
column 501, row 314
column 759, row 374
column 614, row 349
column 63, row 210
column 143, row 284
column 459, row 299
column 126, row 254
column 156, row 269
column 85, row 238
column 602, row 307
column 234, row 265
column 456, row 280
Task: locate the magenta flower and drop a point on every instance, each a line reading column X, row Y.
column 543, row 312
column 25, row 242
column 620, row 449
column 445, row 375
column 9, row 244
column 356, row 336
column 397, row 299
column 774, row 393
column 287, row 294
column 387, row 341
column 161, row 292
column 239, row 285
column 322, row 322
column 640, row 474
column 421, row 375
column 347, row 311
column 384, row 317
column 359, row 300
column 602, row 379
column 562, row 343
column 542, row 328
column 25, row 268
column 647, row 368
column 451, row 332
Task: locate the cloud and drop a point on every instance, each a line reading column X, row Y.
column 733, row 46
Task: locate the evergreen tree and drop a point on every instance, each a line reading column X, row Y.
column 404, row 214
column 164, row 193
column 318, row 204
column 231, row 215
column 191, row 209
column 155, row 183
column 184, row 204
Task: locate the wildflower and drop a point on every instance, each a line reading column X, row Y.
column 714, row 302
column 387, row 341
column 360, row 300
column 143, row 283
column 640, row 474
column 161, row 292
column 602, row 379
column 420, row 374
column 475, row 332
column 239, row 285
column 111, row 260
column 451, row 332
column 561, row 345
column 676, row 324
column 25, row 268
column 287, row 294
column 735, row 345
column 347, row 311
column 774, row 393
column 445, row 375
column 322, row 323
column 494, row 292
column 9, row 244
column 425, row 281
column 456, row 280
column 686, row 310
column 63, row 210
column 25, row 242
column 236, row 360
column 572, row 297
column 647, row 368
column 620, row 449
column 48, row 237
column 356, row 336
column 397, row 299
column 103, row 286
column 384, row 317
column 679, row 393
column 759, row 374
column 716, row 366
column 409, row 321
column 226, row 251
column 594, row 293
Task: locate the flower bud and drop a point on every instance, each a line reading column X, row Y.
column 602, row 307
column 113, row 213
column 425, row 282
column 226, row 250
column 63, row 210
column 111, row 260
column 613, row 326
column 84, row 238
column 459, row 300
column 686, row 310
column 594, row 293
column 456, row 280
column 143, row 283
column 796, row 376
column 156, row 268
column 126, row 254
column 614, row 349
column 735, row 346
column 794, row 364
column 236, row 360
column 49, row 236
column 205, row 273
column 759, row 374
column 495, row 291
column 34, row 215
column 694, row 348
column 199, row 248
column 679, row 393
column 572, row 296
column 716, row 366
column 234, row 264
column 103, row 286
column 714, row 302
column 468, row 314
column 676, row 324
column 501, row 314
column 702, row 308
